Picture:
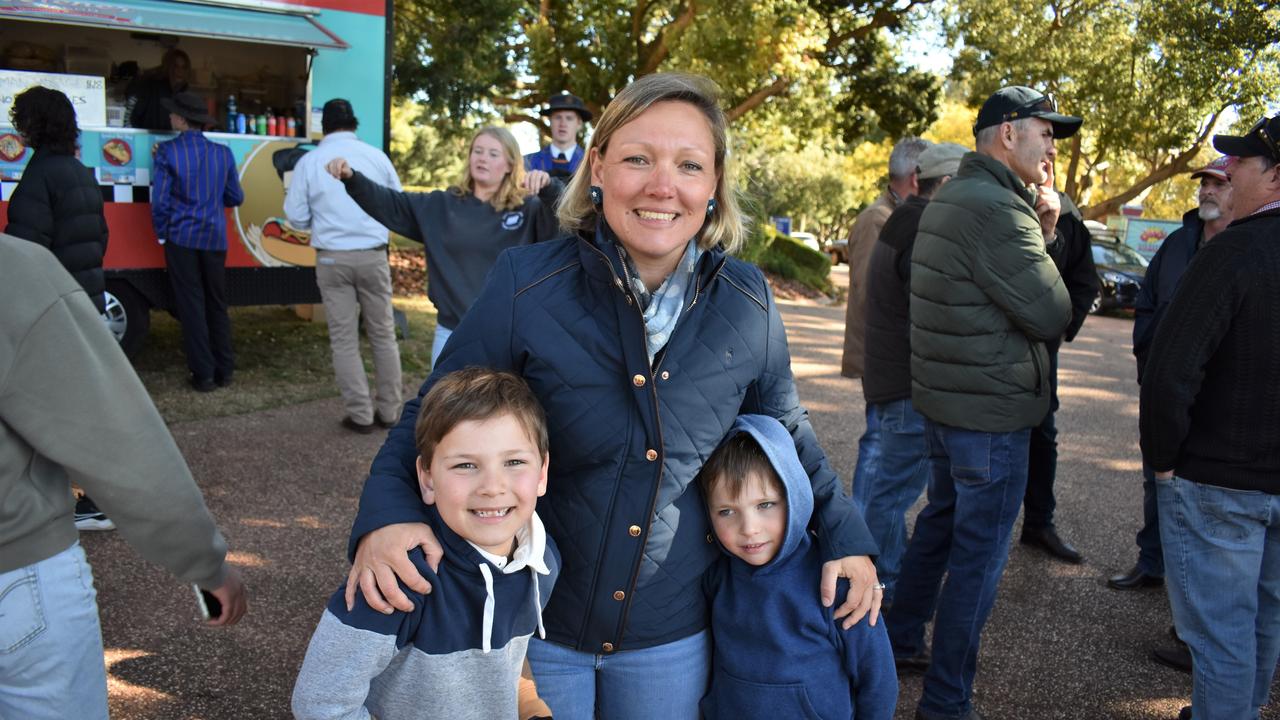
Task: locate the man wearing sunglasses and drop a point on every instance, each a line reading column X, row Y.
column 985, row 298
column 1211, row 433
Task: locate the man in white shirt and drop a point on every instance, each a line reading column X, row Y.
column 351, row 266
column 561, row 157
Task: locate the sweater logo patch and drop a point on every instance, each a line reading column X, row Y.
column 512, row 220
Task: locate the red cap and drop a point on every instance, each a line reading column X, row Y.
column 1216, row 169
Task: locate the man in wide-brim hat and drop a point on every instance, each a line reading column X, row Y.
column 191, row 108
column 193, row 181
column 561, row 157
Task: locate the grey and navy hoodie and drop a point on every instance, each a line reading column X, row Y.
column 778, row 652
column 459, row 653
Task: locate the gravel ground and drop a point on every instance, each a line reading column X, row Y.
column 284, row 484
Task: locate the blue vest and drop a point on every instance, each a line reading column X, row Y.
column 547, row 162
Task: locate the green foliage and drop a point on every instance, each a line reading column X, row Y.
column 783, row 256
column 422, row 154
column 1150, row 79
column 804, row 64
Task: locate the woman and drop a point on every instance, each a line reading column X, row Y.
column 494, row 206
column 644, row 341
column 58, row 204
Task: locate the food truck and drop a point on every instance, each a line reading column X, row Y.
column 265, row 69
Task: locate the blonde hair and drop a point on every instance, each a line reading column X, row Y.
column 511, row 193
column 726, row 226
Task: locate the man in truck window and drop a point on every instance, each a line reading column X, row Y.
column 193, row 181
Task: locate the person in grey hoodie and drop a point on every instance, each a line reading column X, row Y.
column 482, row 439
column 72, row 410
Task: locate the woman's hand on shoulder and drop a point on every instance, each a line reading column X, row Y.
column 339, row 168
column 865, row 591
column 382, row 556
column 535, row 180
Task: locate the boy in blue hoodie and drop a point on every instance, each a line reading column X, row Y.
column 778, row 652
column 482, row 465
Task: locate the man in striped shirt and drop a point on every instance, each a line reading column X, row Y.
column 193, row 181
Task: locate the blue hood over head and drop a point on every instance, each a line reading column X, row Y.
column 780, row 448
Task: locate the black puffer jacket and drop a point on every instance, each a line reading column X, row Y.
column 58, row 205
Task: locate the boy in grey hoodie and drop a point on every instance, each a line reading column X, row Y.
column 482, row 465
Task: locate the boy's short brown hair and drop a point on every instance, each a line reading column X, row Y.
column 477, row 393
column 733, row 462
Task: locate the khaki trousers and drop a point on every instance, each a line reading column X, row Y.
column 353, row 285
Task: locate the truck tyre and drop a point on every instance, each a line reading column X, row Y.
column 128, row 316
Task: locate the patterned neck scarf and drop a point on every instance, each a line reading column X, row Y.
column 661, row 308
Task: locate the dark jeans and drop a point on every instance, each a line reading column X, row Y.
column 1150, row 551
column 868, row 448
column 885, row 492
column 199, row 280
column 975, row 487
column 1042, row 463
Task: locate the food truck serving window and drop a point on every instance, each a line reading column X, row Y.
column 267, row 25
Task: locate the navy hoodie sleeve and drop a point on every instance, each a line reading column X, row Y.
column 868, row 659
column 483, row 338
column 392, row 208
column 841, row 529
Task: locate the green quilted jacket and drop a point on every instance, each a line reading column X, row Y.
column 984, row 297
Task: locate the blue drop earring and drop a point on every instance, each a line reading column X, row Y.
column 597, row 195
column 711, row 207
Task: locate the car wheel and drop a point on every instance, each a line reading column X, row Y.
column 128, row 316
column 1097, row 304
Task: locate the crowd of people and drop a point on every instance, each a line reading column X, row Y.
column 606, row 500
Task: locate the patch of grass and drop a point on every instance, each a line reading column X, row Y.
column 281, row 359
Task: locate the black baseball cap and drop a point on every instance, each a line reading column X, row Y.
column 1016, row 102
column 1262, row 139
column 565, row 101
column 338, row 115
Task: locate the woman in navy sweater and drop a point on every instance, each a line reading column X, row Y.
column 494, row 206
column 643, row 340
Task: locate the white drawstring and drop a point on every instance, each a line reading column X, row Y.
column 486, row 637
column 537, row 604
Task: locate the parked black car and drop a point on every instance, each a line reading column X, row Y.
column 1120, row 273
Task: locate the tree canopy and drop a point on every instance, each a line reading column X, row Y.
column 1151, row 79
column 818, row 90
column 808, row 64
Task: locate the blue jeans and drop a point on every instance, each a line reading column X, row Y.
column 868, row 449
column 1150, row 551
column 51, row 662
column 1222, row 552
column 665, row 681
column 885, row 493
column 975, row 493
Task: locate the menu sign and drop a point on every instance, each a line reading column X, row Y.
column 87, row 93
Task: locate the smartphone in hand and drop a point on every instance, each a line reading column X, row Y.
column 210, row 605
